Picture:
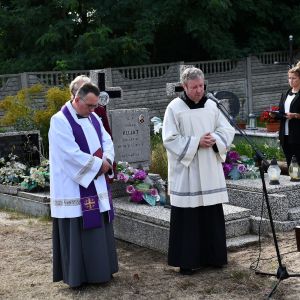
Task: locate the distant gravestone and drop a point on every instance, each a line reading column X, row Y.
column 131, row 135
column 24, row 144
column 230, row 101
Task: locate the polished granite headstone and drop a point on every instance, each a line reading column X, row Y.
column 131, row 135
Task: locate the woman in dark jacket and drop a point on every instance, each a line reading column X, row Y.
column 289, row 116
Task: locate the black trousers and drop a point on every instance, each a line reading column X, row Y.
column 290, row 149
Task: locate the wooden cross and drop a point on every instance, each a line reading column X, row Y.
column 111, row 91
column 102, row 78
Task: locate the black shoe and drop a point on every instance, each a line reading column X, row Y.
column 185, row 271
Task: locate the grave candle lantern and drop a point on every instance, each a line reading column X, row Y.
column 274, row 172
column 294, row 169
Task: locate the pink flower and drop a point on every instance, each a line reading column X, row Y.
column 122, row 177
column 130, row 189
column 137, row 196
column 241, row 168
column 153, row 192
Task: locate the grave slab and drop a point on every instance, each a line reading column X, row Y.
column 282, row 197
column 140, row 224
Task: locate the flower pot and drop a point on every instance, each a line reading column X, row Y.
column 273, row 127
column 242, row 124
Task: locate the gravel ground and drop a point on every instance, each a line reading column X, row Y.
column 26, row 270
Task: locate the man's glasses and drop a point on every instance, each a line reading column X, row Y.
column 90, row 106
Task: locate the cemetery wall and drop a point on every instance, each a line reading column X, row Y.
column 256, row 80
column 146, row 88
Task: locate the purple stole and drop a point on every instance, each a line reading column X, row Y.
column 89, row 200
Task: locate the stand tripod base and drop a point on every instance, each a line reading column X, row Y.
column 281, row 274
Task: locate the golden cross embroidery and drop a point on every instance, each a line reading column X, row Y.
column 89, row 203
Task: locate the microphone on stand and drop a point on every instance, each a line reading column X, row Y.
column 213, row 98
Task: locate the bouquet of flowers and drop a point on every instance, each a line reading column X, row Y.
column 140, row 186
column 11, row 171
column 15, row 173
column 38, row 178
column 238, row 167
column 265, row 115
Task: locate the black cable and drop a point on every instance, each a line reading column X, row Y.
column 252, row 267
column 259, row 237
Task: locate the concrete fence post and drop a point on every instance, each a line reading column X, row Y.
column 249, row 84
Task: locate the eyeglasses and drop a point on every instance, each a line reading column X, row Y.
column 90, row 106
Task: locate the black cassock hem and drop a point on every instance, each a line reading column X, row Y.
column 197, row 237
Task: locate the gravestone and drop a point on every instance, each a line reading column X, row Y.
column 131, row 135
column 230, row 101
column 25, row 144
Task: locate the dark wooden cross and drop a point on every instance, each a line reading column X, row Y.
column 113, row 92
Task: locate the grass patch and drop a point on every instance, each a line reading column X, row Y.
column 45, row 218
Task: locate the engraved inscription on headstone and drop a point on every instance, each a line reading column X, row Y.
column 131, row 135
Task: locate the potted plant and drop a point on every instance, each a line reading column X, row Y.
column 271, row 123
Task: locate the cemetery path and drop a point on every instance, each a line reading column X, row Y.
column 25, row 270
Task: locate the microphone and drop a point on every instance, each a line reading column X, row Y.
column 213, row 98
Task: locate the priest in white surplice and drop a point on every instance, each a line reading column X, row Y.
column 81, row 154
column 196, row 135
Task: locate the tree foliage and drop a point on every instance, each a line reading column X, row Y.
column 37, row 34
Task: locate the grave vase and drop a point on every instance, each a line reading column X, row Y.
column 273, row 127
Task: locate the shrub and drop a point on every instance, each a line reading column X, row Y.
column 269, row 151
column 55, row 98
column 20, row 111
column 159, row 162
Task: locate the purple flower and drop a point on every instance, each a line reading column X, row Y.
column 227, row 168
column 241, row 168
column 122, row 177
column 233, row 156
column 140, row 175
column 130, row 189
column 153, row 192
column 137, row 196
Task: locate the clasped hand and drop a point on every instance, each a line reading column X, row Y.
column 207, row 140
column 106, row 166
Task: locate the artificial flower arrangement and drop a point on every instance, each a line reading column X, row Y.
column 265, row 115
column 38, row 177
column 139, row 185
column 239, row 167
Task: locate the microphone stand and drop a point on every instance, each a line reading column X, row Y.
column 282, row 272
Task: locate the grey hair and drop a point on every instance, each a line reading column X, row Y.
column 77, row 83
column 191, row 74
